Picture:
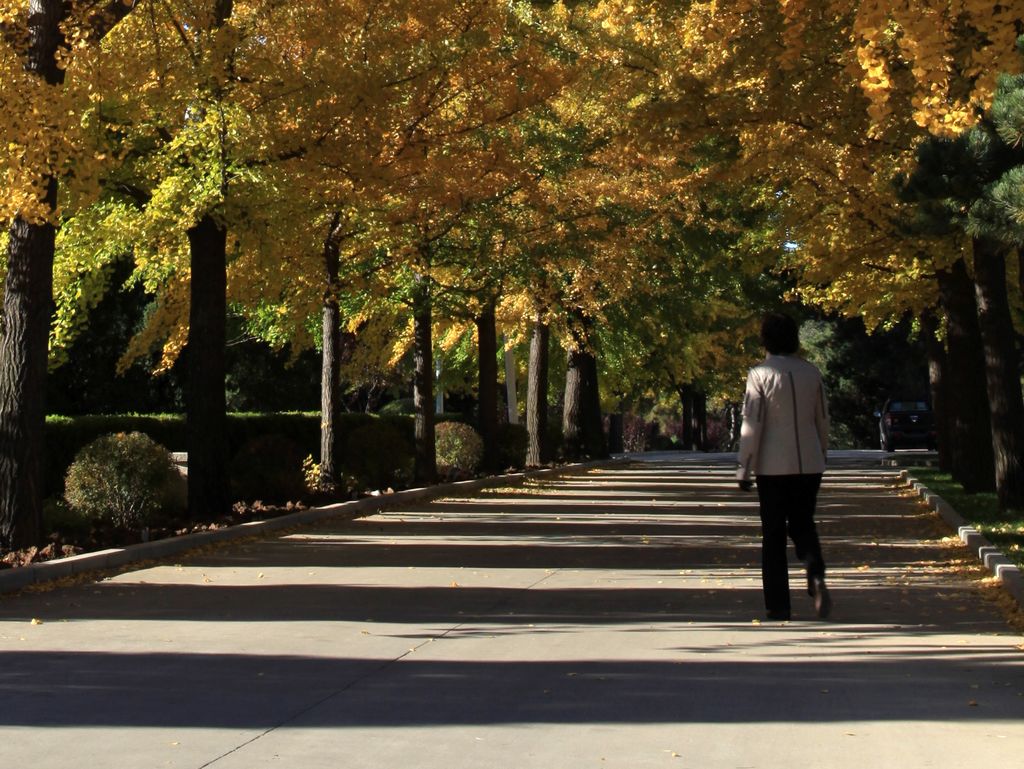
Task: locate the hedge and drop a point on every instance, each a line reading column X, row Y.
column 65, row 436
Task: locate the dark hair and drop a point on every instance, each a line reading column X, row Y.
column 779, row 334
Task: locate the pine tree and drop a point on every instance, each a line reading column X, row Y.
column 958, row 183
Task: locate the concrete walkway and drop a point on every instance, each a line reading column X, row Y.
column 605, row 619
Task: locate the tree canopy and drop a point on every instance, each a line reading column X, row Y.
column 642, row 177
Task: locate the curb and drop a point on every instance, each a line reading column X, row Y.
column 13, row 580
column 1005, row 570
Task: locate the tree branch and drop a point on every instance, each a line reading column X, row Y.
column 103, row 15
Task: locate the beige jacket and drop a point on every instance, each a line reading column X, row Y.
column 785, row 419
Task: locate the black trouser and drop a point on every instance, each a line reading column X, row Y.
column 787, row 506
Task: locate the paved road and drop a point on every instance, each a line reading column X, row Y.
column 606, row 619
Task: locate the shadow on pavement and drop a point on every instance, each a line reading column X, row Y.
column 242, row 691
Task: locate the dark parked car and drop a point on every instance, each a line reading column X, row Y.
column 906, row 424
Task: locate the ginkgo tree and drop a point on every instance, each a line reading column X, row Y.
column 183, row 90
column 47, row 48
column 388, row 168
column 851, row 90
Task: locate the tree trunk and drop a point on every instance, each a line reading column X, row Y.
column 205, row 403
column 937, row 382
column 1002, row 371
column 970, row 423
column 28, row 302
column 222, row 10
column 423, row 382
column 1020, row 270
column 596, row 443
column 700, row 417
column 487, row 385
column 582, row 424
column 686, row 398
column 330, row 368
column 27, row 308
column 511, row 386
column 572, row 408
column 205, row 400
column 539, row 451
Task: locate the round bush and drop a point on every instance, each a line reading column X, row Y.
column 377, row 456
column 459, row 447
column 126, row 480
column 268, row 468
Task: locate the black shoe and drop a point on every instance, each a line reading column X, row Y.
column 822, row 599
column 778, row 615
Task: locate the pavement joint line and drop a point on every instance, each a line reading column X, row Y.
column 120, row 559
column 384, row 665
column 990, row 556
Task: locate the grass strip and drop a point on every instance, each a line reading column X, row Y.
column 1005, row 529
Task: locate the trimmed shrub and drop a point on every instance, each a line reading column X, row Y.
column 455, row 416
column 662, row 443
column 513, row 442
column 66, row 436
column 126, row 480
column 301, row 428
column 399, row 406
column 66, row 522
column 404, row 425
column 379, row 454
column 460, row 449
column 268, row 468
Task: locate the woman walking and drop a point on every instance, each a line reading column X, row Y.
column 783, row 444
